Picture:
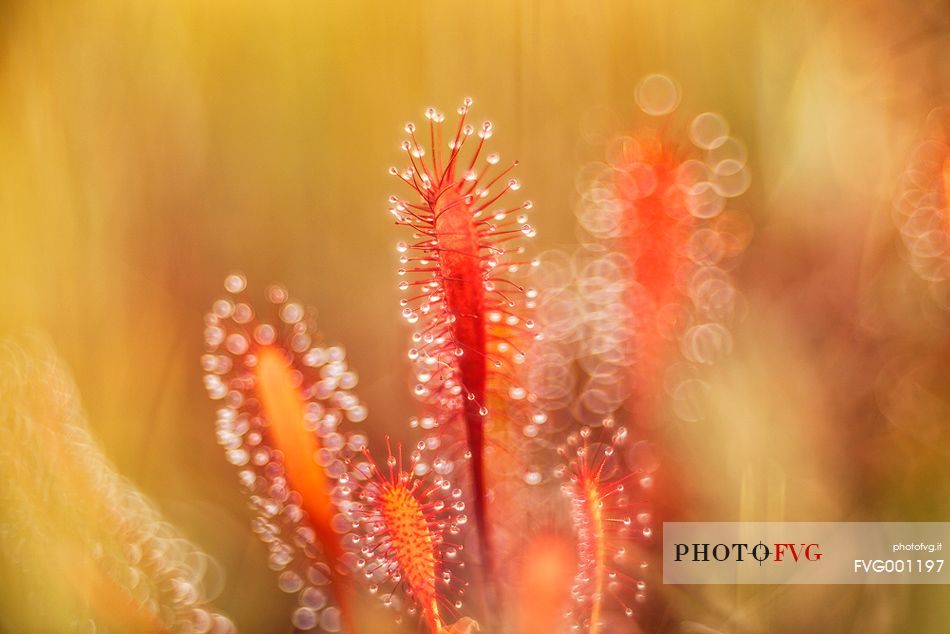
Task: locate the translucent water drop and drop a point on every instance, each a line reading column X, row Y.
column 276, row 294
column 223, row 308
column 214, row 335
column 289, row 581
column 291, row 313
column 235, row 283
column 657, row 95
column 201, row 621
column 313, row 598
column 236, row 344
column 222, row 625
column 319, row 574
column 356, row 414
column 304, row 618
column 708, row 130
column 315, row 357
column 238, row 457
column 243, row 313
column 265, row 334
column 300, row 342
column 330, row 620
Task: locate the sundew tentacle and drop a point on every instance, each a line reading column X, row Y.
column 284, row 397
column 471, row 325
column 607, row 525
column 406, row 528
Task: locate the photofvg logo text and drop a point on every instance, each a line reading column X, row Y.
column 804, row 552
column 760, row 552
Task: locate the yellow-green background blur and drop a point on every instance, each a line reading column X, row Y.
column 148, row 148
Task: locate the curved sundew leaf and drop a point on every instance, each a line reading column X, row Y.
column 88, row 548
column 284, row 397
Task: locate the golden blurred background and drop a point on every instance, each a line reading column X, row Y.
column 148, row 148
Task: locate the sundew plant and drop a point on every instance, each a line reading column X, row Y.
column 443, row 529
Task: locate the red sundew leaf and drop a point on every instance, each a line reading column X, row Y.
column 607, row 525
column 658, row 208
column 656, row 221
column 405, row 530
column 656, row 227
column 284, row 397
column 472, row 326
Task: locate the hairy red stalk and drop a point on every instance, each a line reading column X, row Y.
column 284, row 396
column 406, row 526
column 472, row 327
column 603, row 518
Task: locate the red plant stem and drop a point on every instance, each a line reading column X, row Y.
column 461, row 271
column 475, row 435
